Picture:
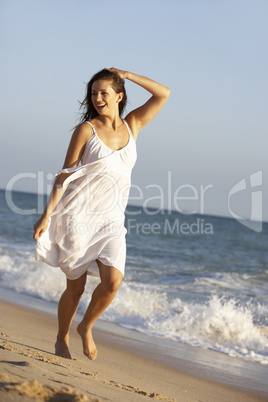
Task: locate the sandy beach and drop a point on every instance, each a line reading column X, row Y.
column 31, row 371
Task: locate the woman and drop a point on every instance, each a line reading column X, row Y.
column 83, row 232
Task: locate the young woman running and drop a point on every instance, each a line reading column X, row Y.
column 82, row 227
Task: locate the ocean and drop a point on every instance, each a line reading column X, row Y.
column 192, row 279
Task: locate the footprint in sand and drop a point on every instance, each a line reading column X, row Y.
column 130, row 388
column 29, row 352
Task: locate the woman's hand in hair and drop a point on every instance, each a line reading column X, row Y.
column 122, row 74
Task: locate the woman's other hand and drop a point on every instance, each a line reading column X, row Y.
column 40, row 227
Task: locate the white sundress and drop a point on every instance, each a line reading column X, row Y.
column 88, row 222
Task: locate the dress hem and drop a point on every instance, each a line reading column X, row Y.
column 88, row 271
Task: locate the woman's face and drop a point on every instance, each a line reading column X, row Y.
column 104, row 97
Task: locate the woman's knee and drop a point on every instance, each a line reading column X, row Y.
column 111, row 278
column 77, row 286
column 113, row 284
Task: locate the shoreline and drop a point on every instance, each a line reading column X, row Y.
column 130, row 368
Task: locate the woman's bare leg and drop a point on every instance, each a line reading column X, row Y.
column 68, row 305
column 102, row 296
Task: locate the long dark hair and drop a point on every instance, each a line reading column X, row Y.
column 89, row 112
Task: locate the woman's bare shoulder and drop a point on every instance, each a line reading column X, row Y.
column 82, row 133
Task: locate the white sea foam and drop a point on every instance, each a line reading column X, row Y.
column 220, row 324
column 19, row 271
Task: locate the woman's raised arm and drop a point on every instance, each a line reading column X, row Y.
column 141, row 116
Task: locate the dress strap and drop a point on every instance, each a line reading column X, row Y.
column 128, row 128
column 93, row 129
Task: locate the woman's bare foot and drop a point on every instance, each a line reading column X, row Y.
column 89, row 347
column 62, row 349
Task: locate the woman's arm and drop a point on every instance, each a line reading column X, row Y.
column 75, row 150
column 141, row 116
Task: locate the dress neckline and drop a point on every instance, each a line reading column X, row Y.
column 113, row 150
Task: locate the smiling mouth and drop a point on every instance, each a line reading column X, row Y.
column 100, row 107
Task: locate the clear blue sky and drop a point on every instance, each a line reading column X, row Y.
column 212, row 54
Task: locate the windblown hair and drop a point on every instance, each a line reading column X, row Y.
column 89, row 112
